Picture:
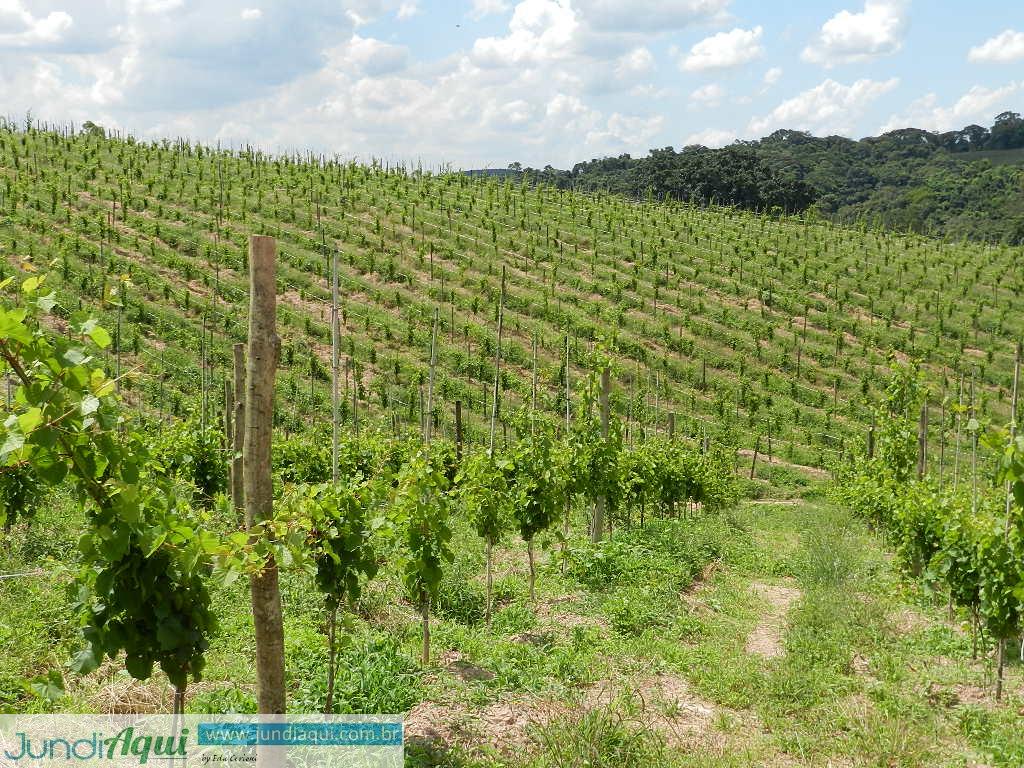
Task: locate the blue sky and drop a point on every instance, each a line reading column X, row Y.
column 486, row 82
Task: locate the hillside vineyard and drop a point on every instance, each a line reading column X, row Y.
column 765, row 329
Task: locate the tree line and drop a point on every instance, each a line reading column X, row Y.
column 963, row 184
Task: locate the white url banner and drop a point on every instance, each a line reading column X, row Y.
column 130, row 741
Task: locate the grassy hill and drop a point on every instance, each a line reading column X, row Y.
column 740, row 324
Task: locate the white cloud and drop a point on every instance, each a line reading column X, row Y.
column 1006, row 46
column 648, row 91
column 153, row 6
column 710, row 137
column 407, row 10
column 830, row 107
column 551, row 80
column 709, row 95
column 725, row 50
column 627, row 132
column 649, row 15
column 636, row 63
column 851, row 37
column 362, row 12
column 539, row 30
column 482, row 8
column 369, row 56
column 572, row 110
column 19, row 28
column 978, row 105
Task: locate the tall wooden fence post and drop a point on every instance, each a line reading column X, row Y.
column 458, row 432
column 922, row 442
column 261, row 366
column 238, row 433
column 597, row 531
column 335, row 366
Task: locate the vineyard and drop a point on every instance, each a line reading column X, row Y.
column 289, row 433
column 758, row 326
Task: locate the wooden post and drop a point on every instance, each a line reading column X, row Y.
column 671, row 425
column 202, row 376
column 974, row 454
column 568, row 390
column 922, row 442
column 753, row 464
column 264, row 350
column 355, row 395
column 497, row 363
column 238, row 436
column 335, row 367
column 160, row 397
column 959, row 415
column 942, row 433
column 430, row 381
column 458, row 432
column 871, row 437
column 597, row 531
column 533, row 390
column 568, row 426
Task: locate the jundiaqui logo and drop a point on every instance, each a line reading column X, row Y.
column 124, row 744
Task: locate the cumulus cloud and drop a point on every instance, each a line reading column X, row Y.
column 638, row 62
column 20, row 28
column 649, row 15
column 830, row 107
column 709, row 95
column 370, row 57
column 629, row 133
column 153, row 6
column 482, row 8
column 407, row 10
column 724, row 50
column 550, row 81
column 978, row 105
column 848, row 37
column 1006, row 46
column 539, row 30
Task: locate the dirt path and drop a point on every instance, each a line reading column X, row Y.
column 762, row 458
column 766, row 638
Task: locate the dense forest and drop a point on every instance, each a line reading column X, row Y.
column 960, row 184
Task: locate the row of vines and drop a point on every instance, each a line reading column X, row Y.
column 770, row 327
column 962, row 532
column 162, row 526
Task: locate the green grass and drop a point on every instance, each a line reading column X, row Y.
column 872, row 672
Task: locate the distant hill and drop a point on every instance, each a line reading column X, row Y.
column 959, row 184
